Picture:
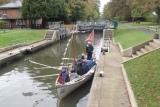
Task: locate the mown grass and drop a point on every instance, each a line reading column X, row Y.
column 143, row 24
column 128, row 37
column 144, row 75
column 13, row 37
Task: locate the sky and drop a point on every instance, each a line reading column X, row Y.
column 102, row 3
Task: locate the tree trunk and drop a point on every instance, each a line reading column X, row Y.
column 158, row 14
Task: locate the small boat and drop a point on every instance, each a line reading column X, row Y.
column 64, row 89
column 75, row 79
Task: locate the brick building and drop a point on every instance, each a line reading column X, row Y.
column 11, row 13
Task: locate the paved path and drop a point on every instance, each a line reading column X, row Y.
column 110, row 90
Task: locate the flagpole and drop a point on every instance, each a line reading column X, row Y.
column 93, row 36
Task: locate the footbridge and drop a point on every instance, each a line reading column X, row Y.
column 98, row 25
column 58, row 30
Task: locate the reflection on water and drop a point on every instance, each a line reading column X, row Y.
column 78, row 97
column 18, row 87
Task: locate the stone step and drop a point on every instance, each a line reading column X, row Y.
column 157, row 41
column 139, row 53
column 153, row 44
column 148, row 47
column 134, row 55
column 144, row 50
column 49, row 35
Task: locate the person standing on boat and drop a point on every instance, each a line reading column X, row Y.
column 89, row 47
column 89, row 50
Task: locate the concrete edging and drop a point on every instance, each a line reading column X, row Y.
column 11, row 47
column 23, row 49
column 17, row 46
column 120, row 47
column 142, row 55
column 129, row 88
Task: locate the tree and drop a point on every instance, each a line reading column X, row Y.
column 3, row 1
column 143, row 7
column 154, row 6
column 107, row 14
column 92, row 9
column 71, row 10
column 75, row 10
column 44, row 9
column 117, row 8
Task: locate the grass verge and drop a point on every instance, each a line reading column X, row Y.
column 13, row 37
column 130, row 37
column 144, row 75
column 143, row 24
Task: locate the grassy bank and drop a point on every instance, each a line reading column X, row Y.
column 143, row 24
column 129, row 37
column 144, row 75
column 12, row 37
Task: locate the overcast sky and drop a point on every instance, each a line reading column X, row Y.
column 102, row 3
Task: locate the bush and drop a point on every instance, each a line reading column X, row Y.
column 2, row 24
column 151, row 18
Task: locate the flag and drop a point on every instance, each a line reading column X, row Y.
column 90, row 37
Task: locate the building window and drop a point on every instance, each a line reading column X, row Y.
column 3, row 11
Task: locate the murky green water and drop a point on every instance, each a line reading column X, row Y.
column 19, row 88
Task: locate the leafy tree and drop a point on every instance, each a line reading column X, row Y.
column 57, row 9
column 71, row 10
column 92, row 9
column 44, row 9
column 117, row 8
column 107, row 11
column 144, row 7
column 3, row 1
column 75, row 10
column 154, row 6
column 125, row 9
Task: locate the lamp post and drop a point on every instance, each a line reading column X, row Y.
column 155, row 14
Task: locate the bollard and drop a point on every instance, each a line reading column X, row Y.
column 101, row 74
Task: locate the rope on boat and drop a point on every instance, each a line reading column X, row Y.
column 42, row 68
column 57, row 68
column 67, row 46
column 43, row 76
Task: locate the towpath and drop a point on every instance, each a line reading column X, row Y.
column 109, row 90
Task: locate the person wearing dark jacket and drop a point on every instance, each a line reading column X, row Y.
column 89, row 50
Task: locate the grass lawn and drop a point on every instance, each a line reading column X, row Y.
column 143, row 24
column 12, row 37
column 130, row 37
column 144, row 75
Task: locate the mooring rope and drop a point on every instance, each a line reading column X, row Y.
column 65, row 52
column 67, row 46
column 58, row 68
column 42, row 76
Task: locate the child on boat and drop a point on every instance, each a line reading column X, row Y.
column 64, row 76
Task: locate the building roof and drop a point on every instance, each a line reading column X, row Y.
column 13, row 4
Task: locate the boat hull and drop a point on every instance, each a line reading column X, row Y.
column 67, row 88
